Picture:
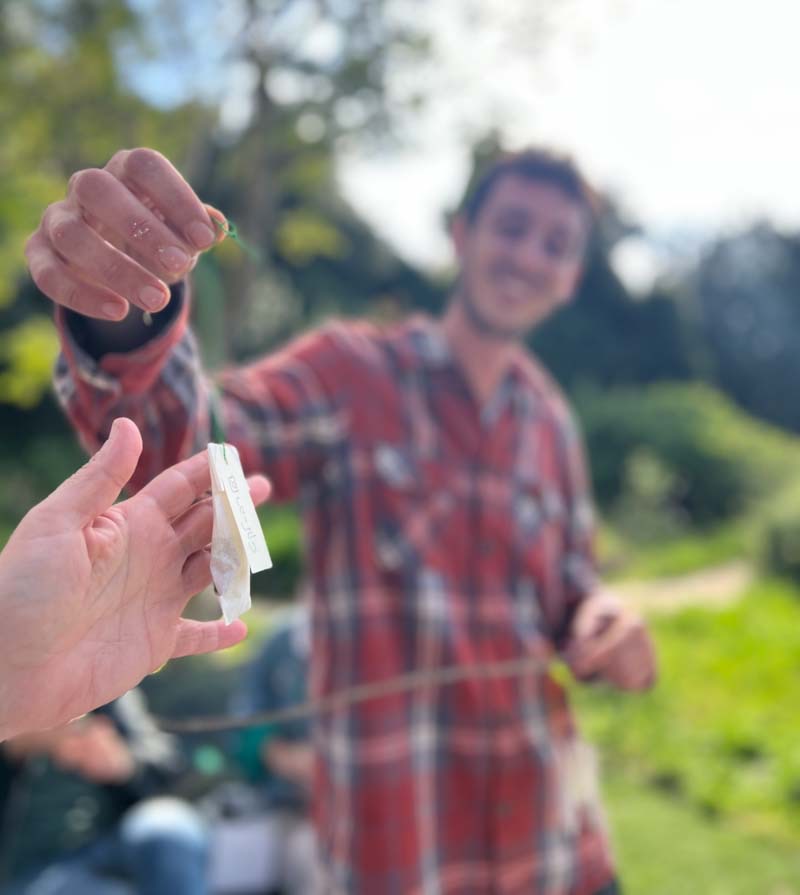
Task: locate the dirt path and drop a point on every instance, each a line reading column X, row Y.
column 718, row 587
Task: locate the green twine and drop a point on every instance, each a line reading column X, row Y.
column 229, row 229
column 215, row 417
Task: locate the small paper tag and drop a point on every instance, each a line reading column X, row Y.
column 226, row 470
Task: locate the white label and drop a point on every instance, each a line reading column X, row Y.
column 226, row 470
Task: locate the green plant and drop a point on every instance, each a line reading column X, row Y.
column 705, row 460
column 779, row 537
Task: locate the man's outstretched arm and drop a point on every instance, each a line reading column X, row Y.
column 123, row 241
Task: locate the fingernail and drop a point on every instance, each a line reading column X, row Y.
column 174, row 259
column 114, row 310
column 152, row 298
column 201, row 235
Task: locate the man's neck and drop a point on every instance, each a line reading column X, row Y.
column 483, row 359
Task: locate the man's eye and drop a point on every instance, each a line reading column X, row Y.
column 511, row 231
column 557, row 248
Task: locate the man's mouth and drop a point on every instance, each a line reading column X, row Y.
column 514, row 287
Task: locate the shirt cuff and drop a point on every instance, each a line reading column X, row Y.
column 131, row 372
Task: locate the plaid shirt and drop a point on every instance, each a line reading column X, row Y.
column 440, row 533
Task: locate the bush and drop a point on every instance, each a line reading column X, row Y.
column 779, row 537
column 283, row 532
column 687, row 447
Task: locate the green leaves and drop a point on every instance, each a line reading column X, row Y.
column 28, row 352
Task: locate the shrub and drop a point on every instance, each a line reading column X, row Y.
column 707, row 460
column 779, row 537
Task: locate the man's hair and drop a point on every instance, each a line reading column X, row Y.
column 540, row 165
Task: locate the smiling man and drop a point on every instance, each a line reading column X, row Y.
column 448, row 517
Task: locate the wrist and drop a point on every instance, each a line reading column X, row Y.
column 100, row 337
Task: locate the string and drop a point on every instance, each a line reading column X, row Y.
column 231, row 231
column 360, row 693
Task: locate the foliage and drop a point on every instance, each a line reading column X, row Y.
column 719, row 730
column 28, row 352
column 679, row 554
column 608, row 337
column 779, row 536
column 281, row 526
column 747, row 285
column 683, row 448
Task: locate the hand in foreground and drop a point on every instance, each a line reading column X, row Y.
column 122, row 234
column 91, row 594
column 611, row 643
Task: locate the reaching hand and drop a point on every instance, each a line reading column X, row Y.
column 91, row 594
column 120, row 236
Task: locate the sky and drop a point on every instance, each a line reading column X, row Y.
column 685, row 110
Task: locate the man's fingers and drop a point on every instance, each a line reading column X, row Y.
column 196, row 637
column 217, row 217
column 91, row 256
column 145, row 236
column 178, row 487
column 633, row 667
column 623, row 656
column 154, row 179
column 95, row 486
column 591, row 655
column 66, row 287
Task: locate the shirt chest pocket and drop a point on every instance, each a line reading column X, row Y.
column 538, row 516
column 409, row 499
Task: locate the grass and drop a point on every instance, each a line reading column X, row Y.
column 721, row 730
column 666, row 848
column 679, row 555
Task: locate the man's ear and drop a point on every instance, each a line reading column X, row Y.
column 576, row 280
column 459, row 227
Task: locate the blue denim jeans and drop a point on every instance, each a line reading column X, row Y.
column 160, row 848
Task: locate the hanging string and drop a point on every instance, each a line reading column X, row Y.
column 230, row 230
column 360, row 693
column 215, row 419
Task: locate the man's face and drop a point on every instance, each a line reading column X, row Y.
column 522, row 256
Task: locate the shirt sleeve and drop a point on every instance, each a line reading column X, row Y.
column 282, row 412
column 579, row 574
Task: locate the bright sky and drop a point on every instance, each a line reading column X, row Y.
column 685, row 109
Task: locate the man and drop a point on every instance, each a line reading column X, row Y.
column 91, row 594
column 447, row 510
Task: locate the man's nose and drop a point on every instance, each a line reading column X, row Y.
column 532, row 258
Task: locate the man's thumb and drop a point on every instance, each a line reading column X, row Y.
column 97, row 484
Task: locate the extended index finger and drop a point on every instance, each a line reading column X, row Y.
column 178, row 487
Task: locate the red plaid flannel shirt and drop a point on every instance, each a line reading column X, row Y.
column 440, row 533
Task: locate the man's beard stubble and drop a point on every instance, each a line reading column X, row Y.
column 484, row 327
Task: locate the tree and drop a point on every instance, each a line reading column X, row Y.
column 747, row 288
column 63, row 106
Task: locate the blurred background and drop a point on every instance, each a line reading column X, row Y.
column 338, row 135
